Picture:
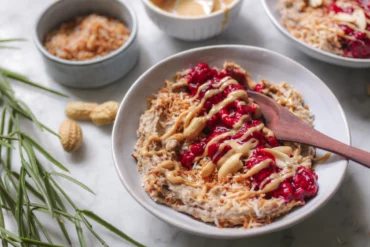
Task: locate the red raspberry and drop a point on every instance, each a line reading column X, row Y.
column 198, row 148
column 264, row 173
column 259, row 88
column 193, row 88
column 272, row 141
column 218, row 157
column 305, row 183
column 285, row 191
column 217, row 131
column 187, row 159
column 201, row 73
column 258, row 156
column 212, row 149
column 215, row 99
column 232, row 87
column 212, row 123
column 242, row 108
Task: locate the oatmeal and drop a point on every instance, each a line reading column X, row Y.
column 86, row 37
column 337, row 26
column 204, row 150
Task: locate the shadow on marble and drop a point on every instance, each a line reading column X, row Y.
column 80, row 156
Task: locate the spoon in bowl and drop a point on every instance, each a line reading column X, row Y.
column 286, row 126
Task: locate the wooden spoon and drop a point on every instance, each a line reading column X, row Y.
column 286, row 126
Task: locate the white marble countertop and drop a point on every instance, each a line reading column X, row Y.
column 345, row 220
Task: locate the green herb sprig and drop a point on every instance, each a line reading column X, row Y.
column 9, row 40
column 33, row 188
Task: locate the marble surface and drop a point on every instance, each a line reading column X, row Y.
column 345, row 220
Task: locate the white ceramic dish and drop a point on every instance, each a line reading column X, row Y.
column 95, row 72
column 193, row 28
column 262, row 64
column 271, row 10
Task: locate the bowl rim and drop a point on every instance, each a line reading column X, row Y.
column 160, row 11
column 122, row 48
column 269, row 11
column 236, row 234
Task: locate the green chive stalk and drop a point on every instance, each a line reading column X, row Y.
column 33, row 188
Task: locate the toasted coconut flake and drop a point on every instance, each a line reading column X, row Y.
column 224, row 202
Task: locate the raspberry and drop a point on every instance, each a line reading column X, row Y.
column 212, row 149
column 187, row 159
column 232, row 87
column 272, row 141
column 218, row 130
column 285, row 191
column 198, row 148
column 204, row 91
column 264, row 173
column 258, row 156
column 212, row 123
column 305, row 183
column 215, row 159
column 357, row 49
column 360, row 35
column 201, row 73
column 193, row 88
column 215, row 99
column 259, row 88
column 334, row 8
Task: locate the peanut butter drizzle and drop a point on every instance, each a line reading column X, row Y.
column 276, row 178
column 224, row 82
column 175, row 126
column 173, row 166
column 254, row 170
column 236, row 148
column 282, row 160
column 231, row 161
column 241, row 121
column 196, row 109
column 144, row 150
column 322, row 159
column 230, row 133
column 191, row 113
column 238, row 94
column 275, row 182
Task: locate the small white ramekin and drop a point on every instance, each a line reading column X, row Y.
column 193, row 28
column 95, row 72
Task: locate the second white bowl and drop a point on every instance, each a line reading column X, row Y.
column 270, row 7
column 262, row 64
column 193, row 28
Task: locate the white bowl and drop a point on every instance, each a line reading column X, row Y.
column 262, row 64
column 272, row 12
column 193, row 28
column 96, row 72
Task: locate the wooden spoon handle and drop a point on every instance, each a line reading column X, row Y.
column 310, row 136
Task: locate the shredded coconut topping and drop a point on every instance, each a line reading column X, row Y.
column 232, row 200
